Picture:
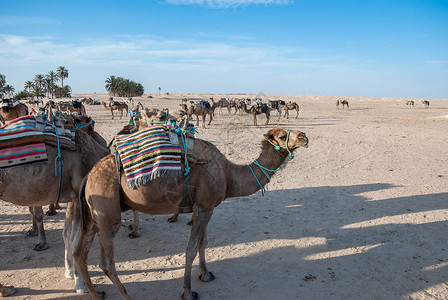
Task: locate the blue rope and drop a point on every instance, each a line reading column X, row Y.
column 59, row 156
column 261, row 186
column 187, row 168
column 81, row 125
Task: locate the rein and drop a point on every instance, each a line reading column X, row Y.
column 266, row 170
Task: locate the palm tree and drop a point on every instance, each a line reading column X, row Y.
column 28, row 86
column 159, row 90
column 39, row 81
column 52, row 76
column 111, row 83
column 2, row 84
column 47, row 85
column 9, row 89
column 62, row 73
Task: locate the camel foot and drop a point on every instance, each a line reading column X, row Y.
column 190, row 223
column 172, row 219
column 31, row 232
column 80, row 287
column 190, row 296
column 51, row 212
column 40, row 247
column 134, row 235
column 6, row 291
column 208, row 277
column 69, row 274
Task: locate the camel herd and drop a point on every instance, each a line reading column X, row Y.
column 94, row 187
column 95, row 194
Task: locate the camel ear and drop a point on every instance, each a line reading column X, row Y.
column 269, row 136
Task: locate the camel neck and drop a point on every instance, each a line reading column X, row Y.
column 246, row 180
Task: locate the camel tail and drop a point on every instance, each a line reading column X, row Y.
column 81, row 218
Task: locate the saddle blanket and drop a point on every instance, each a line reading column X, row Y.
column 148, row 154
column 21, row 143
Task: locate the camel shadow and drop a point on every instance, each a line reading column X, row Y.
column 339, row 242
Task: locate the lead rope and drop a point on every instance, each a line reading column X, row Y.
column 265, row 170
column 61, row 162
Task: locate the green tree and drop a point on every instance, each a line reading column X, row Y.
column 62, row 73
column 53, row 77
column 38, row 83
column 9, row 89
column 28, row 86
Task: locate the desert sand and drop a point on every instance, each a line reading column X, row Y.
column 359, row 214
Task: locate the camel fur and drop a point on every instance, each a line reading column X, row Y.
column 103, row 199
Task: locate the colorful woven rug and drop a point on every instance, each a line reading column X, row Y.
column 21, row 143
column 148, row 154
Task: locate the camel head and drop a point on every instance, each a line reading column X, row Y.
column 278, row 137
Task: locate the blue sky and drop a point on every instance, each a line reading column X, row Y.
column 323, row 47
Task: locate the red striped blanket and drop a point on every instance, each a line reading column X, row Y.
column 148, row 154
column 21, row 143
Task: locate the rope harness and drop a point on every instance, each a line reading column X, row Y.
column 61, row 162
column 266, row 170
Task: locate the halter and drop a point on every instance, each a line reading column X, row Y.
column 265, row 170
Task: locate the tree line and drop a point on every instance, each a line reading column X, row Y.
column 41, row 86
column 122, row 87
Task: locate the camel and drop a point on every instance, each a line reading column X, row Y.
column 410, row 103
column 69, row 107
column 103, row 197
column 200, row 110
column 41, row 187
column 257, row 109
column 343, row 102
column 425, row 103
column 113, row 105
column 277, row 105
column 9, row 111
column 291, row 106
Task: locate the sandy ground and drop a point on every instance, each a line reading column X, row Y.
column 360, row 214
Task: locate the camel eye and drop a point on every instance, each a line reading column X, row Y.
column 283, row 137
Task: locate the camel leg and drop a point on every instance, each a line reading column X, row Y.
column 173, row 218
column 38, row 224
column 205, row 276
column 70, row 267
column 211, row 118
column 81, row 253
column 203, row 121
column 287, row 114
column 297, row 114
column 107, row 262
column 267, row 119
column 197, row 233
column 112, row 112
column 135, row 226
column 255, row 119
column 33, row 231
column 121, row 114
column 197, row 121
column 51, row 210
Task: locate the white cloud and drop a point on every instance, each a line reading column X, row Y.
column 228, row 3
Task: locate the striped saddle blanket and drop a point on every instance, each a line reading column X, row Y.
column 148, row 154
column 21, row 143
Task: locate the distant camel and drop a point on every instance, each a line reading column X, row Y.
column 200, row 109
column 114, row 105
column 343, row 102
column 425, row 103
column 257, row 109
column 291, row 106
column 71, row 107
column 410, row 103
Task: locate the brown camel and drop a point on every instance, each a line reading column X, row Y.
column 103, row 198
column 291, row 106
column 257, row 109
column 113, row 105
column 199, row 110
column 9, row 111
column 70, row 107
column 343, row 102
column 41, row 187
